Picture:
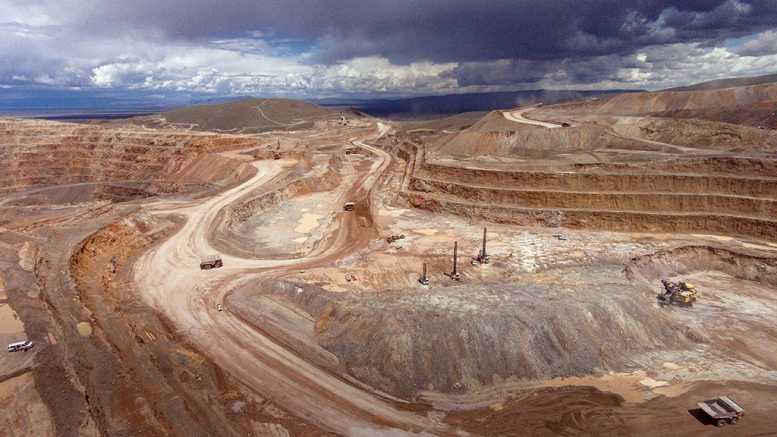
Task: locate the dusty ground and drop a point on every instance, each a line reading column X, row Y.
column 325, row 328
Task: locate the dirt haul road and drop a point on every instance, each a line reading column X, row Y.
column 518, row 117
column 169, row 278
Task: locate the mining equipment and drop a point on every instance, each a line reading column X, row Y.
column 424, row 280
column 349, row 206
column 392, row 238
column 455, row 273
column 680, row 293
column 277, row 155
column 483, row 257
column 722, row 410
column 20, row 346
column 211, row 261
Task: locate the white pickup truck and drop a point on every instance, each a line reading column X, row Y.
column 20, row 346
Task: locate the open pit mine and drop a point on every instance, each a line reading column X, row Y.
column 272, row 267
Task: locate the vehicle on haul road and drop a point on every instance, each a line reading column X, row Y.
column 211, row 261
column 722, row 410
column 349, row 206
column 20, row 346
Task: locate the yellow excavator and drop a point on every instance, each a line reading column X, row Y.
column 680, row 293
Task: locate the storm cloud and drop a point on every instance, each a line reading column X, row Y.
column 379, row 47
column 434, row 30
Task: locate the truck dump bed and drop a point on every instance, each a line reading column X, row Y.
column 721, row 407
column 211, row 261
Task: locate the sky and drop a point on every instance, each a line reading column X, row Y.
column 150, row 49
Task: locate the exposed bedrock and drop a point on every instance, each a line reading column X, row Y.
column 718, row 195
column 649, row 181
column 651, row 268
column 469, row 337
column 44, row 153
column 234, row 231
column 649, row 200
column 628, row 221
column 456, row 339
column 729, row 165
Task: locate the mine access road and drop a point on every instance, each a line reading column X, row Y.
column 518, row 117
column 168, row 278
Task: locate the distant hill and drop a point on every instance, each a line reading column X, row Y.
column 243, row 116
column 751, row 105
column 728, row 83
column 493, row 135
column 457, row 103
column 660, row 101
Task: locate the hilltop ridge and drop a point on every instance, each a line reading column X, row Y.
column 243, row 116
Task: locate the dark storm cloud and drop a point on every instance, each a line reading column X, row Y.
column 499, row 72
column 439, row 30
column 581, row 70
column 380, row 46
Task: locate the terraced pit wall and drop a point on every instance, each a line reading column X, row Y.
column 629, row 198
column 45, row 153
column 742, row 166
